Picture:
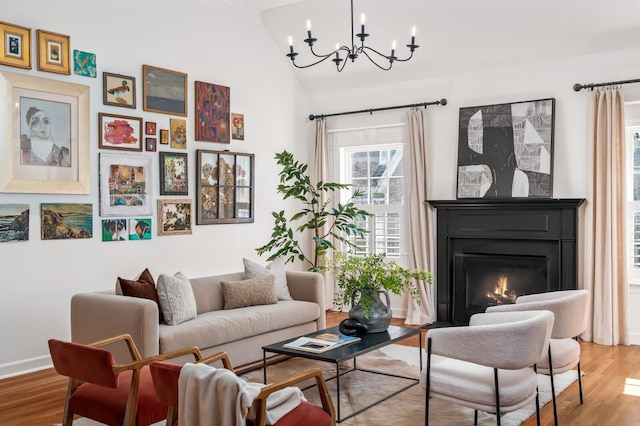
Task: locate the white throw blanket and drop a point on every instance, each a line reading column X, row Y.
column 217, row 397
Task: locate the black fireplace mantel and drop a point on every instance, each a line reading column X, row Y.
column 508, row 225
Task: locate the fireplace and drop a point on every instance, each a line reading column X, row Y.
column 492, row 251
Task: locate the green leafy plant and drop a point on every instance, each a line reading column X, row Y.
column 314, row 215
column 370, row 274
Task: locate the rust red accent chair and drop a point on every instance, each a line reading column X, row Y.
column 110, row 393
column 165, row 379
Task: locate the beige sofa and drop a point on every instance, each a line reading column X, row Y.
column 240, row 332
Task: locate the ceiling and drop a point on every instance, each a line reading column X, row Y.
column 453, row 35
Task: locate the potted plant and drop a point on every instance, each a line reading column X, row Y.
column 327, row 224
column 362, row 279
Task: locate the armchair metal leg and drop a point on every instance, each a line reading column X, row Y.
column 553, row 390
column 475, row 417
column 580, row 382
column 495, row 379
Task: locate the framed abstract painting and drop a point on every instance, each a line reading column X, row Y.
column 213, row 105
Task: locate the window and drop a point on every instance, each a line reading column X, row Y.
column 633, row 199
column 372, row 161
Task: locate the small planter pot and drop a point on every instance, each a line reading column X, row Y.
column 379, row 313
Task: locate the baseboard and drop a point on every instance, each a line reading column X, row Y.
column 25, row 366
column 634, row 338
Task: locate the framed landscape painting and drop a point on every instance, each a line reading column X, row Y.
column 66, row 221
column 14, row 222
column 125, row 185
column 164, row 91
column 506, row 150
column 174, row 217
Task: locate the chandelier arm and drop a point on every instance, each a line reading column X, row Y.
column 404, row 60
column 374, row 62
column 310, row 65
column 346, row 49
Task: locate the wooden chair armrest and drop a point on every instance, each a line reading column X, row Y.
column 138, row 364
column 261, row 400
column 133, row 350
column 220, row 356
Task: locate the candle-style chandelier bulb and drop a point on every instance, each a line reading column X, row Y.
column 355, row 50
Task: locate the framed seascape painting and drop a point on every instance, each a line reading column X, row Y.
column 66, row 221
column 164, row 91
column 174, row 217
column 14, row 222
column 224, row 188
column 53, row 52
column 15, row 45
column 173, row 173
column 118, row 90
column 120, row 132
column 44, row 143
column 125, row 185
column 140, row 229
column 506, row 150
column 213, row 105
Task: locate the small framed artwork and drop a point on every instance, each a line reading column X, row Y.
column 120, row 132
column 118, row 90
column 140, row 229
column 506, row 150
column 212, row 112
column 125, row 185
column 174, row 217
column 53, row 52
column 173, row 173
column 84, row 64
column 16, row 45
column 114, row 230
column 66, row 221
column 14, row 222
column 150, row 144
column 45, row 136
column 224, row 187
column 237, row 126
column 164, row 91
column 149, row 128
column 164, row 137
column 178, row 133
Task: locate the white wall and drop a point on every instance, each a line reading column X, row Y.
column 205, row 40
column 507, row 84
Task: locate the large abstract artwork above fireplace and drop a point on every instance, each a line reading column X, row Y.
column 492, row 251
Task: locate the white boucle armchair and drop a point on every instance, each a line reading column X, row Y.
column 570, row 310
column 489, row 365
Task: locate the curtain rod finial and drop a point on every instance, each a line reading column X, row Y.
column 443, row 101
column 312, row 117
column 578, row 87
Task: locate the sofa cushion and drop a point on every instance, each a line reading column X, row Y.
column 253, row 292
column 254, row 270
column 219, row 327
column 208, row 291
column 143, row 286
column 176, row 298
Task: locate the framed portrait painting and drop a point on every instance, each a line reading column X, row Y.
column 164, row 91
column 174, row 217
column 224, row 187
column 15, row 45
column 118, row 90
column 53, row 52
column 44, row 146
column 506, row 150
column 120, row 132
column 125, row 185
column 213, row 105
column 173, row 173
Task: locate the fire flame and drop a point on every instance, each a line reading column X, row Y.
column 501, row 287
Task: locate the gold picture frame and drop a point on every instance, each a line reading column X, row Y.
column 15, row 45
column 175, row 216
column 67, row 106
column 53, row 52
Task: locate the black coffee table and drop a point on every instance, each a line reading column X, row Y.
column 369, row 343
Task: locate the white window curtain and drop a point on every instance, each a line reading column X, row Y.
column 605, row 262
column 320, row 172
column 420, row 218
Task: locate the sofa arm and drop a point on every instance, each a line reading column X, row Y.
column 309, row 287
column 97, row 316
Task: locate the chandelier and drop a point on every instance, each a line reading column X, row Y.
column 354, row 51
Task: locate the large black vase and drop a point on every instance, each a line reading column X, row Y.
column 379, row 313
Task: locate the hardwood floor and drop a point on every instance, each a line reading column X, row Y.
column 611, row 388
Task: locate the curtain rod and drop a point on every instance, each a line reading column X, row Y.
column 372, row 110
column 578, row 87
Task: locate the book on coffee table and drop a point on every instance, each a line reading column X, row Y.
column 321, row 343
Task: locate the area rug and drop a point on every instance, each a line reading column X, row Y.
column 407, row 408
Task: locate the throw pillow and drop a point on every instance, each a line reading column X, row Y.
column 176, row 299
column 253, row 292
column 254, row 270
column 142, row 287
